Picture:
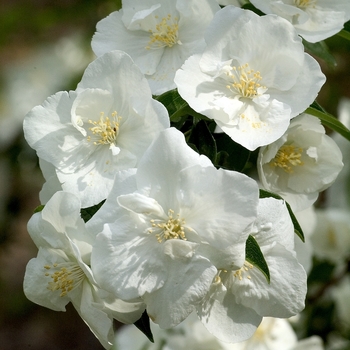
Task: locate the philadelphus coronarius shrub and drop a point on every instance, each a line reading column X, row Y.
column 148, row 210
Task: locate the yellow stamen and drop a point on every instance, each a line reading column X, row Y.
column 243, row 270
column 65, row 277
column 245, row 81
column 105, row 130
column 165, row 34
column 304, row 3
column 173, row 228
column 287, row 157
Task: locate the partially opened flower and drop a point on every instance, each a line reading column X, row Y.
column 278, row 334
column 158, row 35
column 61, row 272
column 303, row 162
column 239, row 298
column 177, row 219
column 102, row 127
column 331, row 239
column 252, row 78
column 314, row 20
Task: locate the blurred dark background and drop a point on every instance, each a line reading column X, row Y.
column 44, row 48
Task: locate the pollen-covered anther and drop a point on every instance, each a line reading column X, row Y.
column 305, row 3
column 288, row 157
column 165, row 33
column 244, row 81
column 105, row 130
column 64, row 277
column 217, row 279
column 173, row 228
column 242, row 272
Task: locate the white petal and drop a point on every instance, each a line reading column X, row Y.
column 189, row 278
column 35, row 282
column 284, row 296
column 124, row 183
column 113, row 35
column 273, row 219
column 158, row 179
column 127, row 261
column 140, row 204
column 93, row 312
column 225, row 319
column 219, row 205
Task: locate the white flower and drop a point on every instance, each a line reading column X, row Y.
column 102, row 127
column 189, row 334
column 272, row 334
column 252, row 77
column 158, row 35
column 302, row 163
column 239, row 298
column 61, row 272
column 341, row 297
column 277, row 334
column 181, row 218
column 314, row 20
column 331, row 237
column 338, row 195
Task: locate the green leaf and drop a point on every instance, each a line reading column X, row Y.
column 231, row 155
column 328, row 120
column 88, row 213
column 204, row 141
column 297, row 228
column 175, row 104
column 251, row 7
column 118, row 4
column 345, row 33
column 143, row 325
column 320, row 49
column 39, row 208
column 177, row 107
column 255, row 257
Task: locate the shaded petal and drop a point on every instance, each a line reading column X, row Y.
column 113, row 35
column 158, row 179
column 189, row 278
column 35, row 282
column 284, row 296
column 273, row 224
column 218, row 205
column 124, row 183
column 126, row 261
column 224, row 318
column 94, row 314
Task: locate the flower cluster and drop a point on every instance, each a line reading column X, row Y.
column 141, row 215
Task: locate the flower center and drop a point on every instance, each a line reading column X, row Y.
column 165, row 34
column 287, row 157
column 173, row 228
column 243, row 271
column 245, row 81
column 304, row 3
column 105, row 130
column 65, row 277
